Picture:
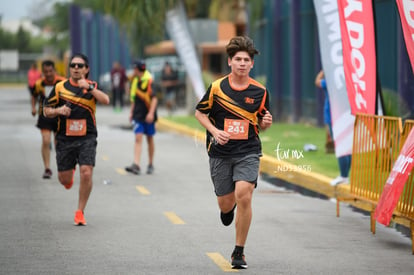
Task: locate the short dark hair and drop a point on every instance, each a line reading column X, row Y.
column 239, row 44
column 48, row 63
column 81, row 55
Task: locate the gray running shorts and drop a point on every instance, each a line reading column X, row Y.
column 225, row 172
column 69, row 153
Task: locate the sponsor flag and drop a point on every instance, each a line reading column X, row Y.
column 404, row 163
column 406, row 9
column 332, row 63
column 358, row 43
column 396, row 181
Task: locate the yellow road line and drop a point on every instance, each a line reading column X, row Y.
column 174, row 218
column 142, row 190
column 121, row 171
column 219, row 260
column 105, row 158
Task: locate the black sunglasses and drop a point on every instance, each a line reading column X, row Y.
column 80, row 65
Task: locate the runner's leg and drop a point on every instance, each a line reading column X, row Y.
column 65, row 177
column 226, row 202
column 46, row 139
column 138, row 148
column 151, row 149
column 85, row 186
column 243, row 195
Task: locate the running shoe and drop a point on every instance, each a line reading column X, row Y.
column 150, row 169
column 47, row 174
column 339, row 180
column 69, row 185
column 79, row 218
column 238, row 260
column 134, row 169
column 227, row 218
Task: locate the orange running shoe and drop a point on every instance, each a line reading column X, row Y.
column 79, row 218
column 69, row 185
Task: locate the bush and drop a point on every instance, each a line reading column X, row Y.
column 394, row 105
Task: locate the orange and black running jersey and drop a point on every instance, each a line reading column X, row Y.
column 224, row 103
column 43, row 88
column 82, row 103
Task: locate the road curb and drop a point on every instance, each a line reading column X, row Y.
column 310, row 180
column 269, row 165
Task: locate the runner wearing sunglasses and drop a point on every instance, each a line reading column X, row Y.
column 73, row 102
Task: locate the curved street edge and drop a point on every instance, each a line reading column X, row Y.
column 306, row 179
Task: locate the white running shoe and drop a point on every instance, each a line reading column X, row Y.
column 339, row 180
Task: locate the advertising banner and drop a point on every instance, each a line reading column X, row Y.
column 396, row 181
column 178, row 30
column 358, row 42
column 332, row 64
column 406, row 10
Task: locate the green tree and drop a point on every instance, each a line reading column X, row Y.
column 145, row 20
column 37, row 44
column 58, row 24
column 58, row 21
column 23, row 40
column 7, row 40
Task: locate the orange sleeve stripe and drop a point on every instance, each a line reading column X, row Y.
column 262, row 105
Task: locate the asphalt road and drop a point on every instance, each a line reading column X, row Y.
column 168, row 222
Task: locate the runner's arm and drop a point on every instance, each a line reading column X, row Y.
column 52, row 112
column 220, row 136
column 100, row 96
column 266, row 121
column 151, row 111
column 318, row 79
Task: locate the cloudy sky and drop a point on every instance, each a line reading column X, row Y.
column 13, row 10
column 18, row 9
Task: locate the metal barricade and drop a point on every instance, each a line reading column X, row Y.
column 375, row 148
column 405, row 206
column 376, row 145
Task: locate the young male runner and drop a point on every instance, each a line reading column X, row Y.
column 233, row 110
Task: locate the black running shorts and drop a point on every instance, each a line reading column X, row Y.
column 47, row 123
column 70, row 153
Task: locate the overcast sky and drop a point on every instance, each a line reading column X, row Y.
column 13, row 10
column 18, row 9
